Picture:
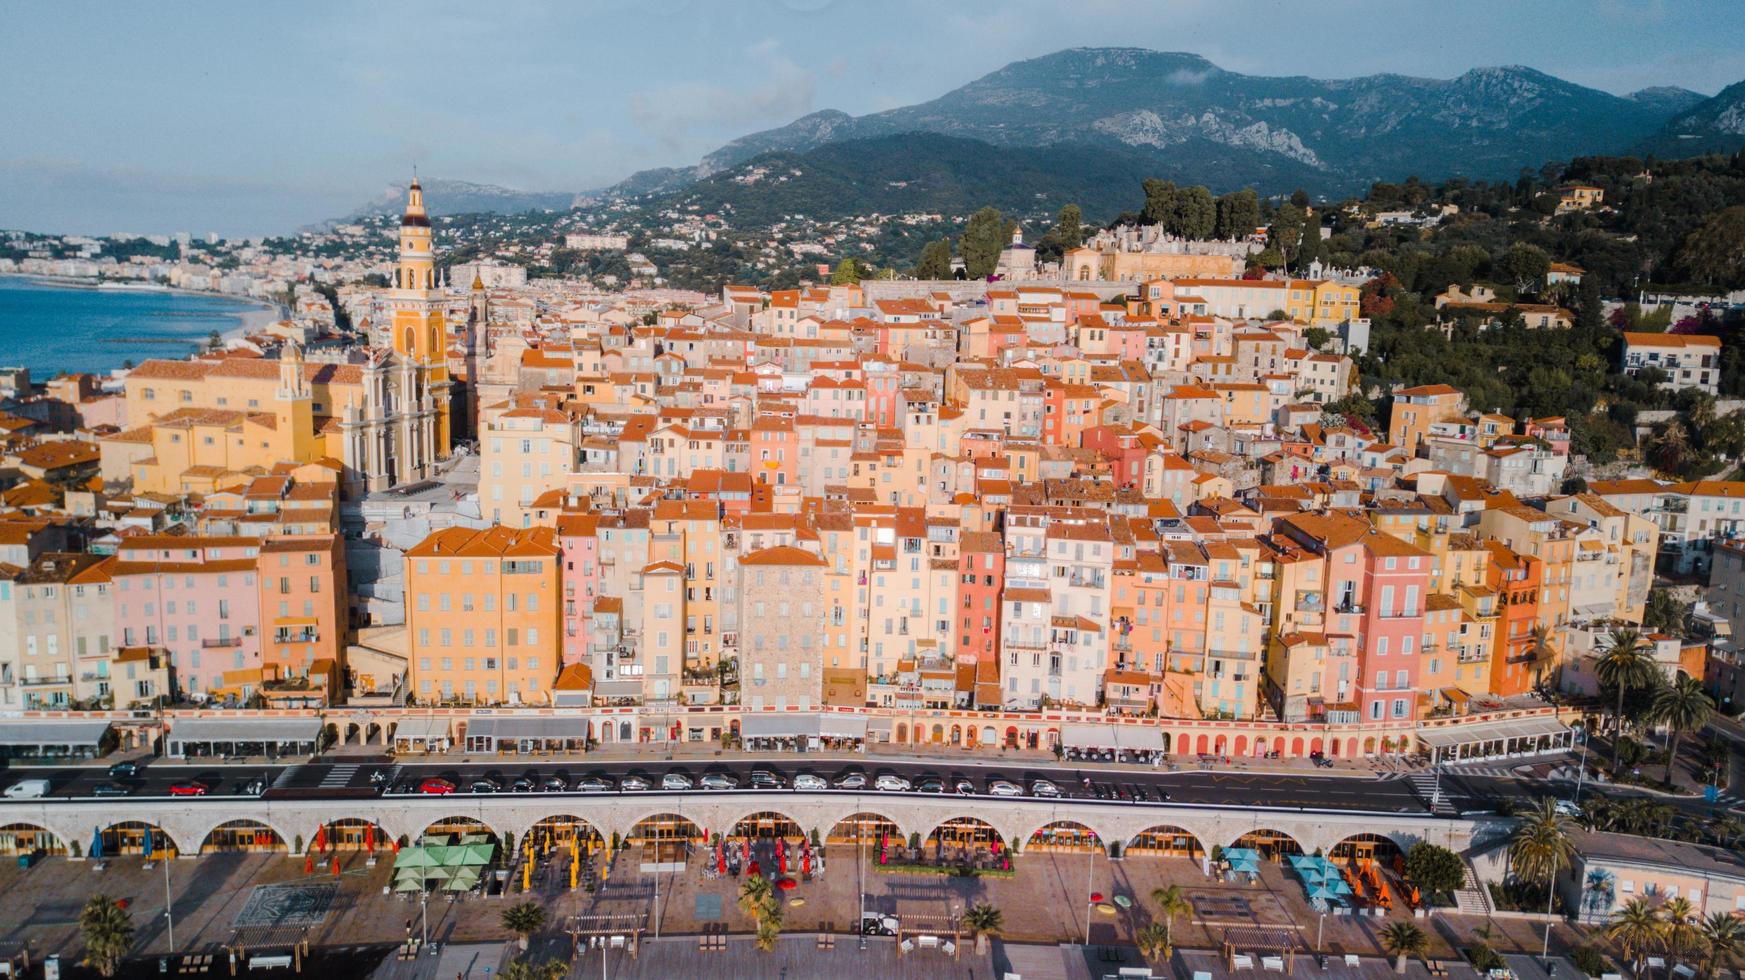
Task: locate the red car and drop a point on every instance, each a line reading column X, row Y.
column 188, row 789
column 436, row 787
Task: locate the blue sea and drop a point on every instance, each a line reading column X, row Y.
column 50, row 329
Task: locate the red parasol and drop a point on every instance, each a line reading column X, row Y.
column 320, row 838
column 370, row 838
column 309, row 864
column 806, row 862
column 1096, row 896
column 753, row 870
column 781, row 857
column 395, row 844
column 787, row 884
column 720, row 858
column 336, row 867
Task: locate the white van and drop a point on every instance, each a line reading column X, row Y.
column 29, row 789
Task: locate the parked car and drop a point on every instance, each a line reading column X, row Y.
column 110, row 789
column 523, row 784
column 1043, row 787
column 553, row 784
column 964, row 787
column 1565, row 808
column 28, row 789
column 807, row 781
column 675, row 780
column 189, row 788
column 436, row 786
column 893, row 784
column 253, row 787
column 124, row 770
column 853, row 780
column 764, row 779
column 484, row 786
column 632, row 784
column 930, row 784
column 719, row 780
column 1000, row 787
column 600, row 784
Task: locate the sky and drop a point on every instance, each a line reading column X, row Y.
column 255, row 118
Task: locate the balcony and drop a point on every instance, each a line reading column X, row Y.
column 308, row 634
column 222, row 643
column 1348, row 607
column 43, row 681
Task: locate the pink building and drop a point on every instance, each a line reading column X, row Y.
column 195, row 597
column 882, row 388
column 1396, row 582
column 581, row 577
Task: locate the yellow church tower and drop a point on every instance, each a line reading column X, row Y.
column 420, row 332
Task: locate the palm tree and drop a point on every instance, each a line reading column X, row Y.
column 1540, row 846
column 1171, row 902
column 1627, row 663
column 1683, row 935
column 107, row 930
column 1153, row 941
column 1403, row 939
column 1637, row 929
column 523, row 919
column 1723, row 938
column 982, row 920
column 1727, row 830
column 1540, row 651
column 759, row 899
column 1681, row 706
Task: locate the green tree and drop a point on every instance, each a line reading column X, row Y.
column 1238, row 214
column 1539, row 846
column 524, row 970
column 983, row 919
column 1723, row 941
column 981, row 242
column 523, row 919
column 1196, row 213
column 1171, row 902
column 107, row 931
column 1403, row 939
column 1637, row 930
column 1626, row 663
column 935, row 261
column 1663, row 613
column 760, row 900
column 849, row 272
column 1683, row 930
column 1069, row 227
column 1160, row 198
column 1714, row 254
column 1153, row 942
column 1681, row 706
column 1434, row 869
column 1286, row 233
column 1522, row 264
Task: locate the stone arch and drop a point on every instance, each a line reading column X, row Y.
column 988, row 735
column 127, row 837
column 1203, row 744
column 1166, row 741
column 1166, row 840
column 29, row 838
column 1011, row 736
column 1369, row 745
column 766, row 823
column 937, row 734
column 661, row 828
column 243, row 834
column 1296, row 747
column 870, row 826
column 902, row 732
column 461, row 825
column 1064, row 835
column 963, row 831
column 1272, row 844
column 1314, row 745
column 1371, row 846
column 1242, row 745
column 560, row 829
column 956, row 734
column 347, row 834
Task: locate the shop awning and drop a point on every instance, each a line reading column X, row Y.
column 778, row 726
column 243, row 729
column 1132, row 738
column 842, row 726
column 52, row 732
column 421, row 729
column 516, row 729
column 1492, row 731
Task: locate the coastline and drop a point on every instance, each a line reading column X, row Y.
column 264, row 307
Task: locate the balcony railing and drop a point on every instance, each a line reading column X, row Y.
column 222, row 643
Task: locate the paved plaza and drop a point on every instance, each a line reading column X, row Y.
column 260, row 899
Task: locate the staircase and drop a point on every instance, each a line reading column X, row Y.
column 1471, row 898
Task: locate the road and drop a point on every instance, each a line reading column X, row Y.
column 353, row 778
